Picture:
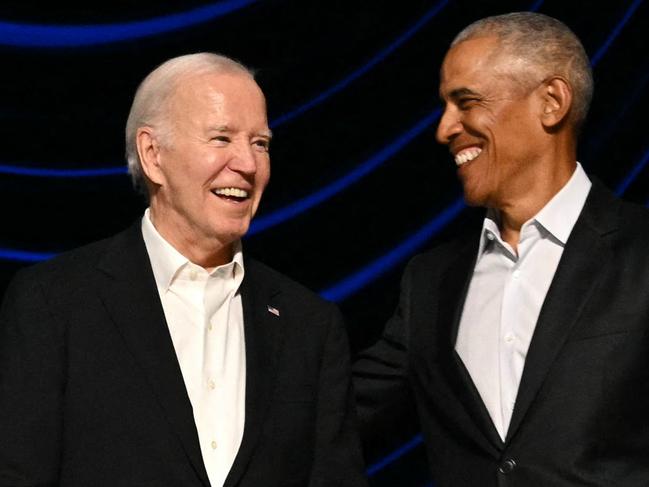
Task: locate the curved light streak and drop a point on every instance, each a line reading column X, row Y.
column 44, row 172
column 352, row 283
column 24, row 255
column 395, row 455
column 264, row 222
column 376, row 59
column 639, row 166
column 597, row 141
column 536, row 6
column 615, row 33
column 635, row 171
column 58, row 36
column 359, row 279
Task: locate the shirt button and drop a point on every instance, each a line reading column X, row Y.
column 209, row 327
column 490, row 236
column 193, row 274
column 509, row 338
column 213, row 445
column 211, row 384
column 516, row 274
column 507, row 466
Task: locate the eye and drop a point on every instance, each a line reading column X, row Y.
column 467, row 102
column 221, row 139
column 262, row 145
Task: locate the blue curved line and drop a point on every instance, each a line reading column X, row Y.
column 106, row 171
column 637, row 169
column 536, row 6
column 24, row 255
column 616, row 31
column 276, row 217
column 43, row 172
column 56, row 36
column 263, row 222
column 395, row 455
column 376, row 59
column 356, row 281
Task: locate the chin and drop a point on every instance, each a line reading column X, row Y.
column 472, row 198
column 233, row 233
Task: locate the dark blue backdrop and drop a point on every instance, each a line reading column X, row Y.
column 358, row 182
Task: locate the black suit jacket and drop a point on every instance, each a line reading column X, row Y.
column 581, row 416
column 92, row 393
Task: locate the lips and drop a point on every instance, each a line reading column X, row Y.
column 467, row 155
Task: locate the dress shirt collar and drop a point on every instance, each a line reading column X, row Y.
column 557, row 217
column 166, row 261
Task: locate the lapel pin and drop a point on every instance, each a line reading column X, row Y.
column 271, row 310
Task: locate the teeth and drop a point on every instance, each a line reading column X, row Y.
column 467, row 155
column 236, row 192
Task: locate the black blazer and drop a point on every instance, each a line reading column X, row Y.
column 582, row 412
column 91, row 392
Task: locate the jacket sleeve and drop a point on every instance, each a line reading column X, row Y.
column 338, row 460
column 32, row 364
column 380, row 373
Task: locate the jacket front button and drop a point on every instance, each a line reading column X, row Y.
column 507, row 466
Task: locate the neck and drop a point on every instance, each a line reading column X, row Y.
column 536, row 194
column 201, row 250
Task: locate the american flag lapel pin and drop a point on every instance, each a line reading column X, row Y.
column 271, row 310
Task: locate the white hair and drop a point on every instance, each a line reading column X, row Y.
column 150, row 106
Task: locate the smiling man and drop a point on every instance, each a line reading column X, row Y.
column 163, row 356
column 524, row 344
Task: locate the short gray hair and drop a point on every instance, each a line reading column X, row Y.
column 151, row 102
column 547, row 46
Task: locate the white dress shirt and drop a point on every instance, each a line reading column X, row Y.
column 205, row 318
column 506, row 293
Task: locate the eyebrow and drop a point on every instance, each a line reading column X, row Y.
column 227, row 129
column 459, row 93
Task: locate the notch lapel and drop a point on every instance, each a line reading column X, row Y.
column 264, row 332
column 453, row 291
column 575, row 279
column 132, row 301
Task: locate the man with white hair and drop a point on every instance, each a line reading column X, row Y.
column 162, row 356
column 525, row 343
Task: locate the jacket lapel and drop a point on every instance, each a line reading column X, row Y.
column 264, row 330
column 131, row 299
column 453, row 291
column 575, row 278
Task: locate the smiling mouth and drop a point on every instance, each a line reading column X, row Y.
column 467, row 155
column 232, row 194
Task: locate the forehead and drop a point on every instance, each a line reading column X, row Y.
column 230, row 94
column 471, row 63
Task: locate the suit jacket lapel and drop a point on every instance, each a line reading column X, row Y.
column 453, row 291
column 571, row 288
column 264, row 331
column 131, row 299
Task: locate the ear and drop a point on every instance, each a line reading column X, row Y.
column 556, row 101
column 148, row 148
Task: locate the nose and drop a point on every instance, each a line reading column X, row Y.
column 449, row 126
column 244, row 159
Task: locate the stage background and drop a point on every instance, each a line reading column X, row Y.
column 358, row 182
